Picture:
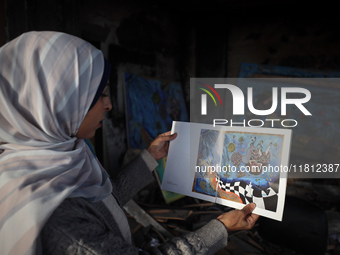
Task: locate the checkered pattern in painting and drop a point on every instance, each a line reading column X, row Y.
column 266, row 199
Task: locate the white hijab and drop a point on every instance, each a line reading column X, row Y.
column 47, row 83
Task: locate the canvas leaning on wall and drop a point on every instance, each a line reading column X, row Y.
column 151, row 106
column 232, row 166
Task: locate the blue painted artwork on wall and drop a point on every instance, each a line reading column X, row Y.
column 151, row 106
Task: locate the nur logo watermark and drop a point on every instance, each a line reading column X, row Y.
column 204, row 97
column 280, row 97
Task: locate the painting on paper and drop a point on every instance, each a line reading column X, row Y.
column 239, row 167
column 230, row 166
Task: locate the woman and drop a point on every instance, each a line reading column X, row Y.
column 55, row 197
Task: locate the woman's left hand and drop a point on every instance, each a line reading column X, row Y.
column 159, row 147
column 239, row 219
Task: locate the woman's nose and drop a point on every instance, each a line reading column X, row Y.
column 107, row 104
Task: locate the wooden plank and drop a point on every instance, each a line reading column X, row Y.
column 145, row 219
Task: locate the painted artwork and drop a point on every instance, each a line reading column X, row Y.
column 246, row 157
column 151, row 106
column 231, row 166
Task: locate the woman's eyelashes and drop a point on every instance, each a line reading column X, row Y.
column 105, row 92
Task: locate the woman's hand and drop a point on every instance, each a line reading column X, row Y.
column 239, row 219
column 159, row 147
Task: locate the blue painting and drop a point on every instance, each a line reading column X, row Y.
column 240, row 167
column 151, row 106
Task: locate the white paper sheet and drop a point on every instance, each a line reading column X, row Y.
column 232, row 166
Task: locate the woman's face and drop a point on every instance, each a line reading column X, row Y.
column 93, row 119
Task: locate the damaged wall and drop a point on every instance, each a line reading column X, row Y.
column 135, row 39
column 311, row 44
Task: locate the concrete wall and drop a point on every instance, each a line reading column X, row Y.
column 135, row 39
column 308, row 44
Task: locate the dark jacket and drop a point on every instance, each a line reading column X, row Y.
column 78, row 226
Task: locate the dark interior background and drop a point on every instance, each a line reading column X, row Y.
column 176, row 40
